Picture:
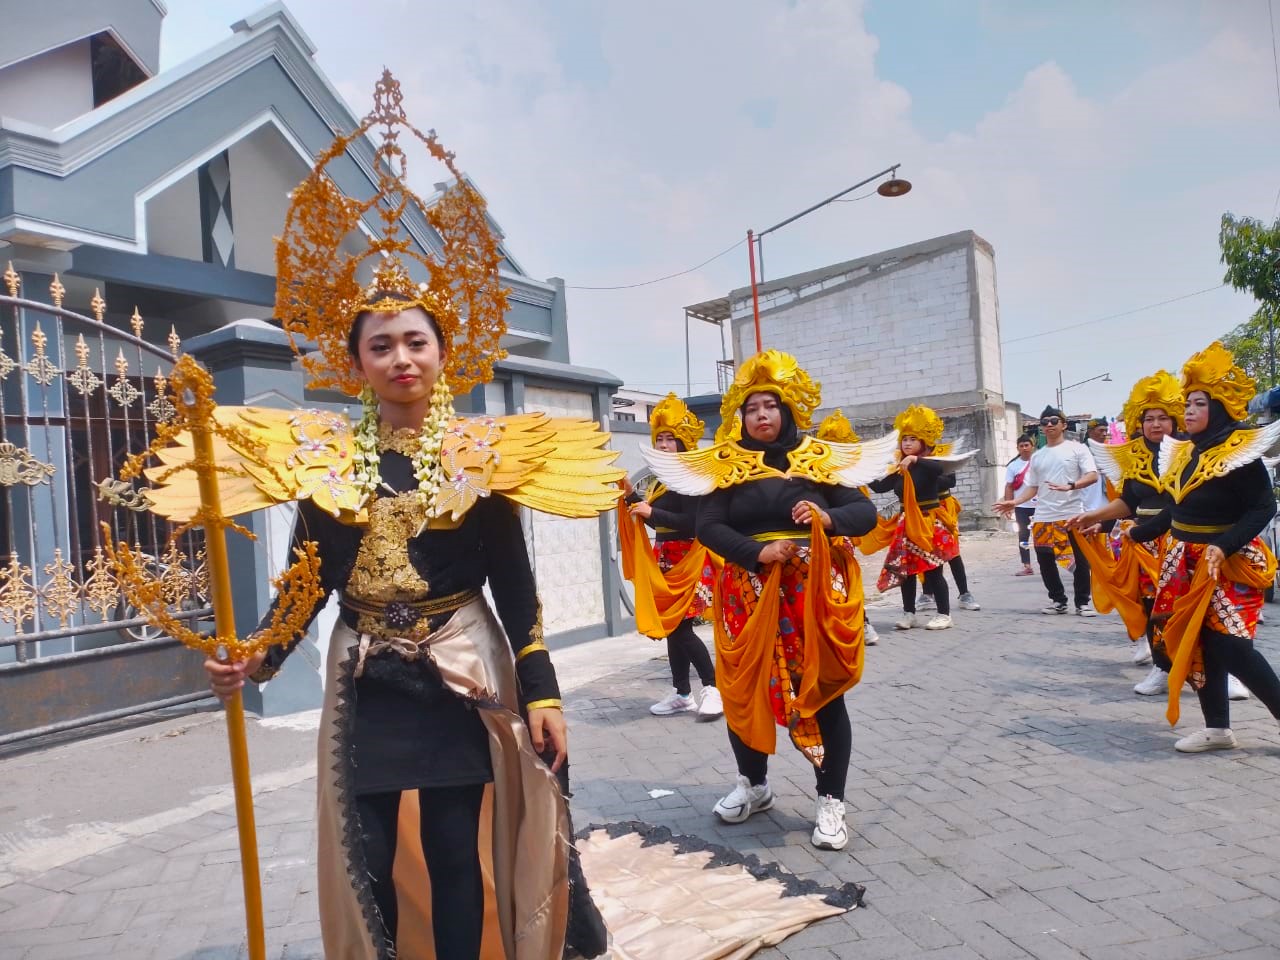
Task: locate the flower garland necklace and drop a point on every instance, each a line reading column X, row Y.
column 427, row 465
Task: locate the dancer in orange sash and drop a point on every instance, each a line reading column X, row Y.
column 788, row 610
column 675, row 582
column 1215, row 567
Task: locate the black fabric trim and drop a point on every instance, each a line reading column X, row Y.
column 352, row 842
column 847, row 895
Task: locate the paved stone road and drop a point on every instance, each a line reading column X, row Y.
column 1010, row 797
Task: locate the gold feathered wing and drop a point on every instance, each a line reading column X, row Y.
column 725, row 464
column 1115, row 460
column 555, row 465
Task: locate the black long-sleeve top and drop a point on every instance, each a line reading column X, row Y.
column 1242, row 500
column 409, row 730
column 1139, row 496
column 673, row 515
column 927, row 477
column 728, row 518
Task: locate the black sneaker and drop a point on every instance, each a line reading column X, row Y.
column 1055, row 608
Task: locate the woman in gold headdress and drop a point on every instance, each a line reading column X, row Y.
column 430, row 705
column 1127, row 583
column 924, row 539
column 1215, row 568
column 788, row 614
column 675, row 583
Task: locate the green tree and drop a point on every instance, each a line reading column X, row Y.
column 1251, row 252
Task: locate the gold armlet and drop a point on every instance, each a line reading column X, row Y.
column 544, row 705
column 531, row 648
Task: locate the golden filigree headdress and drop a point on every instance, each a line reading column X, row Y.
column 1160, row 391
column 1214, row 371
column 778, row 373
column 319, row 287
column 837, row 428
column 920, row 422
column 673, row 416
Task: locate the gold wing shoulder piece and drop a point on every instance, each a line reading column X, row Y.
column 1113, row 459
column 1174, row 456
column 1245, row 446
column 844, row 464
column 954, row 461
column 291, row 455
column 556, row 465
column 696, row 473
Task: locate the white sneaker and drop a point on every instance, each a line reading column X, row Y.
column 1211, row 738
column 1153, row 684
column 710, row 706
column 672, row 704
column 967, row 602
column 829, row 829
column 1142, row 652
column 1053, row 608
column 940, row 622
column 907, row 622
column 743, row 800
column 925, row 603
column 869, row 635
column 1235, row 689
column 1086, row 611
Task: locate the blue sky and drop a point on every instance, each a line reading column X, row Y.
column 1094, row 144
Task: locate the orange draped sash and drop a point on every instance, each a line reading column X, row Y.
column 1117, row 583
column 919, row 527
column 1182, row 630
column 832, row 644
column 662, row 599
column 879, row 538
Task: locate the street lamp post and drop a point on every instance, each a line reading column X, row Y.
column 1104, row 377
column 893, row 187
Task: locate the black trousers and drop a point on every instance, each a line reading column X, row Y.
column 684, row 648
column 837, row 743
column 1053, row 578
column 1224, row 655
column 1024, row 515
column 935, row 585
column 1159, row 656
column 450, row 824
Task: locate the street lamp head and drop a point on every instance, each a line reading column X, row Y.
column 1106, row 378
column 894, row 188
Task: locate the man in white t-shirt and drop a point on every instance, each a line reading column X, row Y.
column 1095, row 496
column 1015, row 475
column 1059, row 473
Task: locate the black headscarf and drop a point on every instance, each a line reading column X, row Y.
column 1221, row 425
column 775, row 453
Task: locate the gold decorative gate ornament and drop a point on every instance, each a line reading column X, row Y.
column 194, row 426
column 19, row 466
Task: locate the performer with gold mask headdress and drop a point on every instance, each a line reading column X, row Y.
column 788, row 611
column 429, row 703
column 675, row 582
column 1215, row 568
column 924, row 535
column 1127, row 583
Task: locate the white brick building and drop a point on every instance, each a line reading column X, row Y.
column 919, row 323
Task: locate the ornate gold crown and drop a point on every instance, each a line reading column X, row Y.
column 778, row 373
column 673, row 416
column 837, row 428
column 729, row 430
column 1160, row 391
column 318, row 287
column 1214, row 371
column 920, row 422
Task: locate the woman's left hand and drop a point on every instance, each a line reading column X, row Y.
column 803, row 512
column 1214, row 558
column 642, row 509
column 547, row 728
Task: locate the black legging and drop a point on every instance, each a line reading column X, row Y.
column 684, row 648
column 1053, row 579
column 1224, row 655
column 450, row 823
column 958, row 574
column 935, row 584
column 837, row 746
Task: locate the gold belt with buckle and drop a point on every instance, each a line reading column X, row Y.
column 1202, row 527
column 769, row 536
column 400, row 618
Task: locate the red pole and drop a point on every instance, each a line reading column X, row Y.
column 755, row 297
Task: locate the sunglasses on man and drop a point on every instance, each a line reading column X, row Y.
column 1050, row 421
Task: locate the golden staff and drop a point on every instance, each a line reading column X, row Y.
column 298, row 587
